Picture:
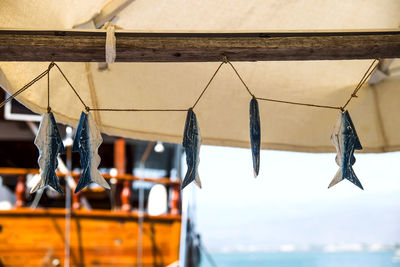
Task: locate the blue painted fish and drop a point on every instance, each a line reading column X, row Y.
column 87, row 141
column 49, row 143
column 191, row 143
column 255, row 135
column 345, row 139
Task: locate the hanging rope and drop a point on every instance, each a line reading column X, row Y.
column 48, row 86
column 365, row 77
column 133, row 109
column 240, row 78
column 156, row 110
column 209, row 82
column 225, row 60
column 76, row 93
column 298, row 103
column 26, row 86
column 208, row 255
column 367, row 74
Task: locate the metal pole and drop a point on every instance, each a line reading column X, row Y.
column 140, row 222
column 67, row 248
column 143, row 160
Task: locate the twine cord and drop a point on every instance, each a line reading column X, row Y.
column 208, row 84
column 48, row 87
column 298, row 103
column 72, row 87
column 133, row 109
column 365, row 77
column 225, row 60
column 240, row 78
column 26, row 86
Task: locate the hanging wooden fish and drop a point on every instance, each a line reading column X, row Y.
column 87, row 141
column 191, row 143
column 49, row 143
column 345, row 139
column 255, row 135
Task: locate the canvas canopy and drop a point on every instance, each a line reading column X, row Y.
column 223, row 111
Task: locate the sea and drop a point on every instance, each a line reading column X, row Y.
column 304, row 259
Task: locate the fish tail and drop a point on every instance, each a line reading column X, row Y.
column 351, row 176
column 83, row 181
column 54, row 183
column 338, row 177
column 99, row 179
column 346, row 173
column 37, row 186
column 188, row 178
column 256, row 165
column 197, row 180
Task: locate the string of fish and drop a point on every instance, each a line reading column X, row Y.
column 88, row 137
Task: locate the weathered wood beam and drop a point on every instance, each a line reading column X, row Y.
column 83, row 46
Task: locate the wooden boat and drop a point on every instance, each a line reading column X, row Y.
column 35, row 237
column 98, row 238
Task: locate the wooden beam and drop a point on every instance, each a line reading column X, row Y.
column 88, row 46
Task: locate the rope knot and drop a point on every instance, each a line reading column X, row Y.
column 111, row 50
column 87, row 108
column 225, row 59
column 48, row 109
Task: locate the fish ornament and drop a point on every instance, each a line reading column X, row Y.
column 87, row 141
column 49, row 143
column 191, row 143
column 255, row 135
column 345, row 139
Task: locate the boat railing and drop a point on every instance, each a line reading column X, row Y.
column 124, row 196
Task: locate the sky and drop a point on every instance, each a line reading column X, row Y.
column 289, row 203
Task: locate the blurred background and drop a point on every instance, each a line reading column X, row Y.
column 287, row 216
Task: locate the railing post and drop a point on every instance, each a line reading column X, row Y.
column 120, row 164
column 126, row 195
column 174, row 200
column 76, row 198
column 20, row 192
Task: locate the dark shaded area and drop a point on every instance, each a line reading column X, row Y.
column 24, row 154
column 17, row 107
column 193, row 243
column 80, row 244
column 18, row 154
column 17, row 150
column 158, row 260
column 62, row 237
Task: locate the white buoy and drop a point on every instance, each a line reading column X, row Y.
column 157, row 203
